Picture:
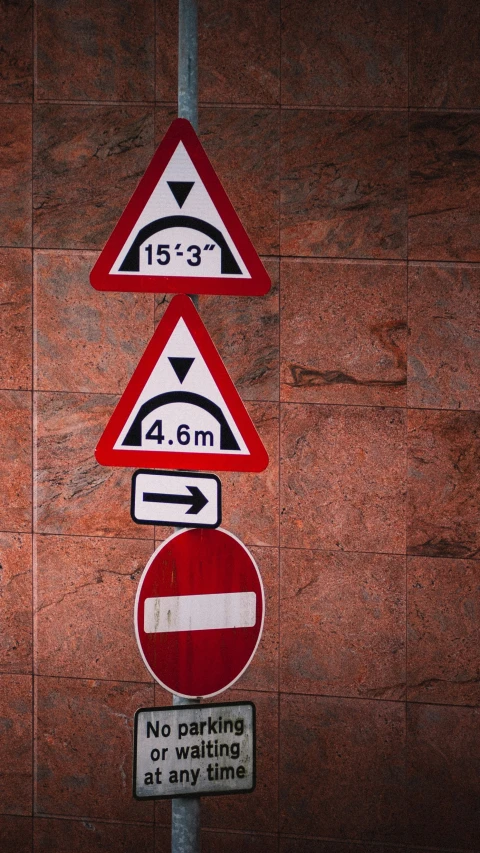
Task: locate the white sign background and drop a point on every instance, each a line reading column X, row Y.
column 203, row 429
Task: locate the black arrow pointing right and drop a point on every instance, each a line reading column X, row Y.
column 196, row 498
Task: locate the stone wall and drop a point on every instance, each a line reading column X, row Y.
column 347, row 135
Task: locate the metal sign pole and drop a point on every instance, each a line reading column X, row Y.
column 186, row 811
column 188, row 67
column 188, row 61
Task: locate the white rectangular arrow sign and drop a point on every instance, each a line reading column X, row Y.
column 183, row 499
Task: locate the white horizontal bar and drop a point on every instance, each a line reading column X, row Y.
column 199, row 612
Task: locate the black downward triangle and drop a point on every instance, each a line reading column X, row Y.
column 180, row 190
column 181, row 366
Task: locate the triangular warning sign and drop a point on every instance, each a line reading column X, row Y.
column 180, row 408
column 179, row 232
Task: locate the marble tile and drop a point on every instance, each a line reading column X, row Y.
column 444, row 60
column 16, row 175
column 86, row 718
column 443, row 631
column 342, row 768
column 166, row 50
column 163, row 837
column 243, row 147
column 444, row 186
column 85, row 340
column 319, row 845
column 245, row 331
column 237, row 842
column 85, row 597
column 162, row 697
column 342, row 619
column 343, row 478
column 344, row 184
column 443, row 484
column 247, row 74
column 257, row 811
column 443, row 784
column 262, row 674
column 344, row 55
column 16, row 744
column 16, row 460
column 75, row 495
column 15, row 834
column 16, row 318
column 115, row 41
column 343, row 332
column 16, row 602
column 250, row 501
column 239, row 52
column 16, row 55
column 91, row 836
column 444, row 336
column 88, row 160
column 246, row 334
column 163, row 808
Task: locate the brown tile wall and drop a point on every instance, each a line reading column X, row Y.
column 347, row 134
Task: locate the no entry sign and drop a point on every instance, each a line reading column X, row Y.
column 199, row 612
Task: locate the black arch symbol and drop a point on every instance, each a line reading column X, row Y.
column 228, row 264
column 133, row 437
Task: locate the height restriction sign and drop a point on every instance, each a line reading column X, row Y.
column 179, row 232
column 180, row 408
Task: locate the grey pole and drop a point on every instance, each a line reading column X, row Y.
column 188, row 68
column 188, row 61
column 186, row 810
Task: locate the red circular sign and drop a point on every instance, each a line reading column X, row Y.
column 199, row 612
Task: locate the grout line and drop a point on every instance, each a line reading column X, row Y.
column 154, row 810
column 247, row 689
column 279, row 549
column 90, row 536
column 405, row 753
column 94, row 820
column 33, row 429
column 34, row 52
column 260, row 545
column 337, row 259
column 401, row 701
column 282, row 402
column 253, row 105
column 349, row 844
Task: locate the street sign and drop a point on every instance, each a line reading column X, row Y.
column 179, row 232
column 181, row 409
column 199, row 612
column 194, row 749
column 176, row 497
